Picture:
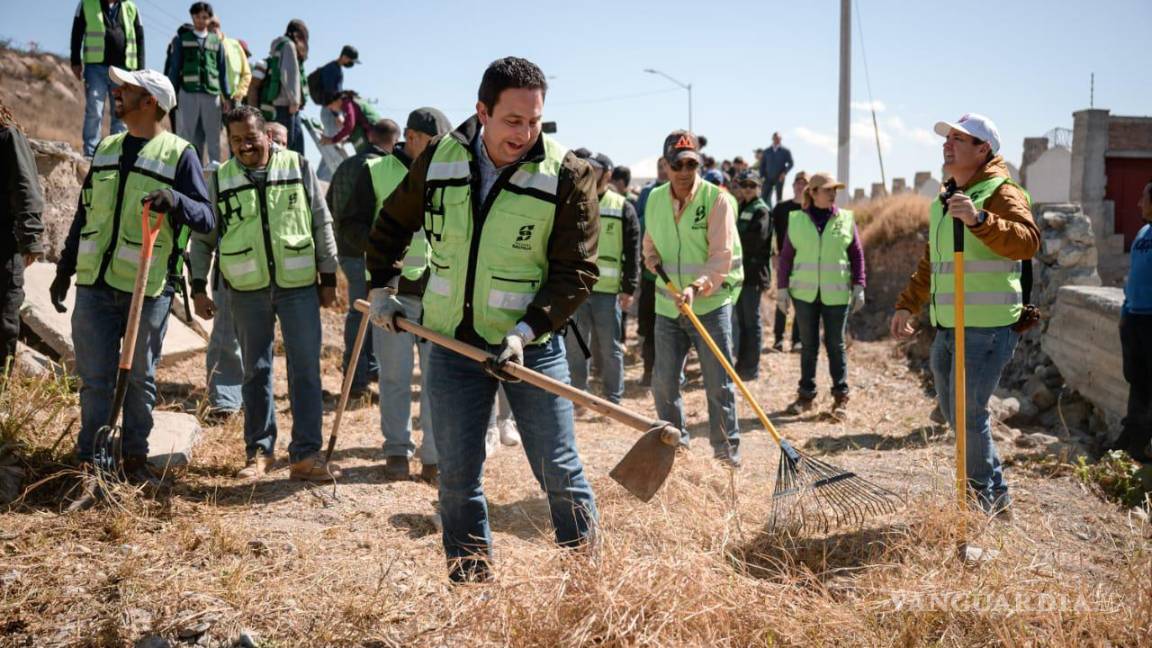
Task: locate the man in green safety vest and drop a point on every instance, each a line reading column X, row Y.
column 690, row 229
column 274, row 237
column 236, row 61
column 144, row 164
column 105, row 33
column 599, row 320
column 375, row 181
column 1000, row 237
column 511, row 219
column 198, row 69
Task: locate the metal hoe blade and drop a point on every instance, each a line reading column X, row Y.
column 646, row 466
column 815, row 496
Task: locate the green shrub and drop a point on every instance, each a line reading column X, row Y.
column 1117, row 477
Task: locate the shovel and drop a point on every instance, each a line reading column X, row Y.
column 959, row 378
column 346, row 388
column 646, row 466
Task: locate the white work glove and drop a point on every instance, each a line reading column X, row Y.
column 857, row 298
column 783, row 300
column 511, row 350
column 385, row 308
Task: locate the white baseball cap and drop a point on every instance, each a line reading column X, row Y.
column 157, row 85
column 976, row 125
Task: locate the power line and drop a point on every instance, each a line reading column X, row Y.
column 871, row 101
column 157, row 7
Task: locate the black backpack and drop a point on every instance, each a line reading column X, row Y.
column 316, row 87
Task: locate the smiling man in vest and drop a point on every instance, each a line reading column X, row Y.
column 598, row 320
column 105, row 33
column 198, row 69
column 375, row 181
column 691, row 231
column 274, row 238
column 103, row 251
column 512, row 221
column 999, row 234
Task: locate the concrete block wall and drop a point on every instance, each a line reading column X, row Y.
column 1083, row 340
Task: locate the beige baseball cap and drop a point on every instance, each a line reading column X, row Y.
column 155, row 83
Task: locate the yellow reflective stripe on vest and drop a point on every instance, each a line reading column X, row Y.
column 949, row 267
column 285, row 174
column 544, row 182
column 448, row 170
column 167, row 171
column 105, row 159
column 982, row 298
column 231, row 182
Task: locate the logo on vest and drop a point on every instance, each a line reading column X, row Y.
column 292, row 199
column 524, row 239
column 701, row 219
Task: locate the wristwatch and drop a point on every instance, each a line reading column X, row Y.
column 981, row 216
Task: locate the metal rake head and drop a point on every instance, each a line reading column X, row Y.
column 815, row 496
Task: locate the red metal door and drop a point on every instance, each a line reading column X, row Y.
column 1127, row 177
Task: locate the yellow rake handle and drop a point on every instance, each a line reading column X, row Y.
column 687, row 312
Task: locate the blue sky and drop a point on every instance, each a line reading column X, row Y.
column 755, row 67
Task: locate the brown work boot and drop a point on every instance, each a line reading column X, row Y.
column 256, row 467
column 313, row 468
column 799, row 406
column 840, row 407
column 430, row 474
column 396, row 469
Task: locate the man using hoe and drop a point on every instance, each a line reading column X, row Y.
column 599, row 318
column 691, row 231
column 274, row 237
column 144, row 164
column 512, row 222
column 999, row 234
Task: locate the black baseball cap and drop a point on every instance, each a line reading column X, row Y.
column 429, row 121
column 681, row 145
column 352, row 53
column 748, row 177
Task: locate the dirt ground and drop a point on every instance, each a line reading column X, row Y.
column 359, row 563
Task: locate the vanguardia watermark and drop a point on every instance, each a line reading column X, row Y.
column 1002, row 602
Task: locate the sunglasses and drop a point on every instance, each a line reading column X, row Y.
column 685, row 164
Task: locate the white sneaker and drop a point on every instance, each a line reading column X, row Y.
column 491, row 441
column 509, row 435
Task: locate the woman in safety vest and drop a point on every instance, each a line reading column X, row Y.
column 822, row 272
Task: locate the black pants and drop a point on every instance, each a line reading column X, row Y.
column 1136, row 348
column 11, row 297
column 646, row 322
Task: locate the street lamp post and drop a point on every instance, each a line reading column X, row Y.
column 686, row 86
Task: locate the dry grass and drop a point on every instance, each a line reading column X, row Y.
column 889, row 219
column 361, row 565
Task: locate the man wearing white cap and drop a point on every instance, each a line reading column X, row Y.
column 1000, row 239
column 144, row 164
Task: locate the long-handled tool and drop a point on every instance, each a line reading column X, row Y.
column 346, row 388
column 959, row 378
column 107, row 445
column 810, row 494
column 646, row 466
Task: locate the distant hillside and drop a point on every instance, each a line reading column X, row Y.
column 45, row 98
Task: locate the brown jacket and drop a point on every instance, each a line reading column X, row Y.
column 572, row 247
column 1008, row 231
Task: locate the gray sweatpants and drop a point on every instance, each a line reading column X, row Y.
column 198, row 121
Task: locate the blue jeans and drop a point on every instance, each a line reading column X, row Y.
column 748, row 332
column 673, row 338
column 395, row 353
column 986, row 352
column 255, row 314
column 291, row 121
column 808, row 318
column 97, row 86
column 353, row 268
column 98, row 323
column 224, row 364
column 598, row 319
column 466, row 396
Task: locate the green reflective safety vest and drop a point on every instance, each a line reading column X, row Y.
column 112, row 235
column 500, row 268
column 387, row 172
column 94, row 30
column 993, row 293
column 610, row 257
column 200, row 71
column 234, row 55
column 683, row 247
column 821, row 267
column 359, row 137
column 266, row 235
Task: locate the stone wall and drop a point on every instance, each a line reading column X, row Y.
column 62, row 171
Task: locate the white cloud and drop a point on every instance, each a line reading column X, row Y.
column 822, row 141
column 868, row 106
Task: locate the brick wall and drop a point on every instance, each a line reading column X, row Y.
column 1130, row 134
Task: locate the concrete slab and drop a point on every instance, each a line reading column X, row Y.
column 1083, row 342
column 174, row 435
column 55, row 329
